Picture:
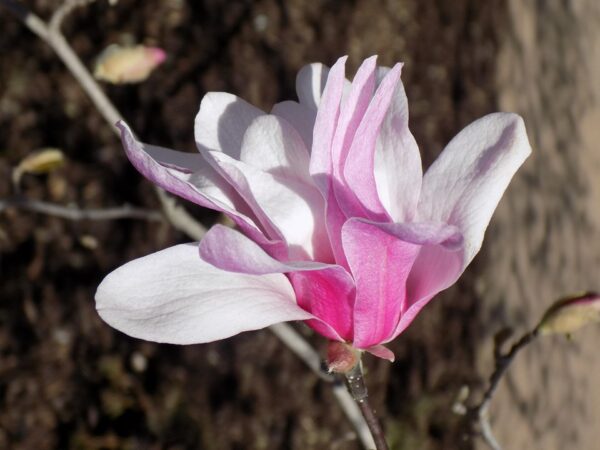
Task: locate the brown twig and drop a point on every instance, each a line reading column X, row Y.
column 479, row 413
column 74, row 213
column 360, row 394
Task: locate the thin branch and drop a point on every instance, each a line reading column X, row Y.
column 67, row 7
column 360, row 394
column 303, row 350
column 76, row 214
column 179, row 217
column 479, row 413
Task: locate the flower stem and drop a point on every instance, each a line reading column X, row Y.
column 358, row 389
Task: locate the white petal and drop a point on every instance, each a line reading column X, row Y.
column 310, row 83
column 222, row 122
column 288, row 208
column 398, row 170
column 464, row 185
column 300, row 117
column 189, row 176
column 173, row 296
column 273, row 145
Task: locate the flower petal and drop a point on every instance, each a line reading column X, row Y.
column 359, row 169
column 462, row 188
column 351, row 114
column 325, row 290
column 310, row 83
column 436, row 268
column 321, row 167
column 173, row 296
column 464, row 185
column 345, row 204
column 381, row 257
column 381, row 352
column 300, row 117
column 222, row 122
column 289, row 209
column 398, row 171
column 190, row 177
column 273, row 145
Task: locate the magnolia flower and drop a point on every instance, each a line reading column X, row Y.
column 336, row 224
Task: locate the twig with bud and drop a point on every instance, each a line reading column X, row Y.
column 565, row 316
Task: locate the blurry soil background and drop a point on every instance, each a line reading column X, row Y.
column 68, row 381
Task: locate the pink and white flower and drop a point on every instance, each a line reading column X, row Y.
column 337, row 225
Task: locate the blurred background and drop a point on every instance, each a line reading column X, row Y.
column 68, row 381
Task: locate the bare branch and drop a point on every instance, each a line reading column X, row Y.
column 179, row 217
column 76, row 214
column 479, row 413
column 67, row 7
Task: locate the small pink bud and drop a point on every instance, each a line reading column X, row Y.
column 571, row 314
column 341, row 357
column 119, row 65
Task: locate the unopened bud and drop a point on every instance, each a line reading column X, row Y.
column 571, row 314
column 119, row 65
column 42, row 161
column 341, row 357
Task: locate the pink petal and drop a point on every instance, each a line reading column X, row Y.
column 345, row 203
column 398, row 171
column 352, row 112
column 381, row 352
column 173, row 296
column 359, row 169
column 353, row 109
column 380, row 265
column 329, row 296
column 222, row 122
column 464, row 185
column 335, row 219
column 320, row 161
column 381, row 256
column 188, row 176
column 436, row 268
column 325, row 290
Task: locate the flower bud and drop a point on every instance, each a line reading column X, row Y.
column 42, row 161
column 570, row 314
column 341, row 357
column 118, row 65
